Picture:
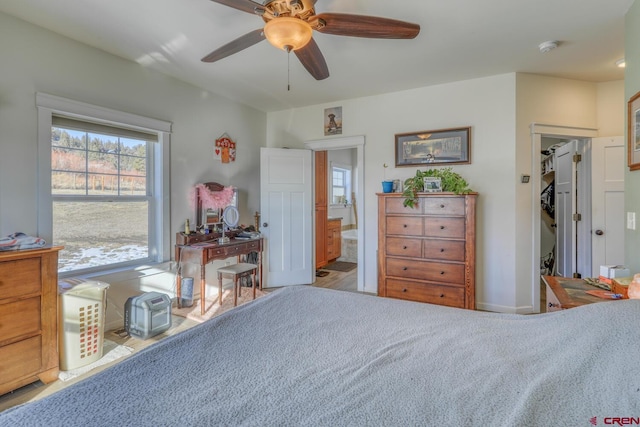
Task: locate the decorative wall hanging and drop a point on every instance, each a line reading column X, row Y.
column 333, row 121
column 212, row 197
column 225, row 149
column 434, row 147
column 633, row 133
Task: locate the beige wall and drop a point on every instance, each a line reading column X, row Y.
column 611, row 108
column 500, row 110
column 36, row 60
column 488, row 106
column 632, row 179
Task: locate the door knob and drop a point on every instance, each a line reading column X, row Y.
column 265, row 224
column 599, row 232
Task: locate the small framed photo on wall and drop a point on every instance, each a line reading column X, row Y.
column 333, row 121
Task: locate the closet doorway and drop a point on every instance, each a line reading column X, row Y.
column 586, row 221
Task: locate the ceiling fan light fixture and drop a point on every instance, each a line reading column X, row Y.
column 288, row 33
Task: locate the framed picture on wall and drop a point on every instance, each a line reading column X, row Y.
column 333, row 121
column 633, row 133
column 434, row 147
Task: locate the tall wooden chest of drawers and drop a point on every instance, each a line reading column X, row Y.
column 28, row 317
column 427, row 253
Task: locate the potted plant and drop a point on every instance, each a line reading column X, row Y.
column 450, row 181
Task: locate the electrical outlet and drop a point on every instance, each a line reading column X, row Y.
column 631, row 220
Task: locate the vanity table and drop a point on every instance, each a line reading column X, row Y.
column 203, row 252
column 216, row 206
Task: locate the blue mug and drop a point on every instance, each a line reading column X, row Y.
column 387, row 186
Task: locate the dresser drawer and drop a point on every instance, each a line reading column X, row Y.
column 215, row 252
column 452, row 228
column 443, row 206
column 446, row 250
column 20, row 360
column 404, row 226
column 253, row 246
column 404, row 246
column 426, row 270
column 21, row 277
column 393, row 205
column 19, row 318
column 435, row 294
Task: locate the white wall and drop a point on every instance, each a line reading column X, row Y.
column 632, row 86
column 487, row 105
column 499, row 109
column 36, row 60
column 553, row 101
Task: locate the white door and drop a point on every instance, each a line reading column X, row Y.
column 286, row 209
column 607, row 201
column 565, row 207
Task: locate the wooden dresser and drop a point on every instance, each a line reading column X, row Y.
column 28, row 317
column 427, row 253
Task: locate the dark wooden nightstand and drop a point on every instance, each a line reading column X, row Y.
column 564, row 293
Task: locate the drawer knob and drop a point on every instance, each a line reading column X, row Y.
column 442, row 206
column 404, row 225
column 442, row 227
column 442, row 273
column 441, row 295
column 405, row 268
column 441, row 249
column 404, row 247
column 404, row 289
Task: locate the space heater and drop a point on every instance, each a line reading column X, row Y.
column 147, row 315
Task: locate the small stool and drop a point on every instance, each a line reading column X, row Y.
column 237, row 270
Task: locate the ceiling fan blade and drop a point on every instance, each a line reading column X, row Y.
column 343, row 24
column 313, row 60
column 235, row 46
column 243, row 5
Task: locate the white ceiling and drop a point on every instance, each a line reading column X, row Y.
column 459, row 39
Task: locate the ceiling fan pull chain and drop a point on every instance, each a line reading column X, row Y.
column 288, row 70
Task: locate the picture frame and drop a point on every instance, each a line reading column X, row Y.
column 633, row 132
column 434, row 147
column 333, row 121
column 432, row 184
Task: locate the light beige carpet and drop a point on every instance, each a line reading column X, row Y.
column 213, row 308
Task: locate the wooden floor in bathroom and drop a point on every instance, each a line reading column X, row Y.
column 339, row 280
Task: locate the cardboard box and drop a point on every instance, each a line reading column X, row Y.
column 612, row 271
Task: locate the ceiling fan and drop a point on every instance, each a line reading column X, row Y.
column 289, row 25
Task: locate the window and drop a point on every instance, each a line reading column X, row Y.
column 340, row 185
column 105, row 179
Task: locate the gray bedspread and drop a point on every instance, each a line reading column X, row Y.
column 317, row 357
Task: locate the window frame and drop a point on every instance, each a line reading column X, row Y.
column 348, row 181
column 159, row 195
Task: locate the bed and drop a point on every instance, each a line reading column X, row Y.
column 318, row 357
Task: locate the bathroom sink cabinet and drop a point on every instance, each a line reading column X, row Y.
column 334, row 239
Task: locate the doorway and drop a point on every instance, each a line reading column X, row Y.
column 551, row 134
column 356, row 143
column 587, row 173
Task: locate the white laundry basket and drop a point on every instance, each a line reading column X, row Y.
column 81, row 313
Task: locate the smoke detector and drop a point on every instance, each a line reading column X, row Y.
column 547, row 46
